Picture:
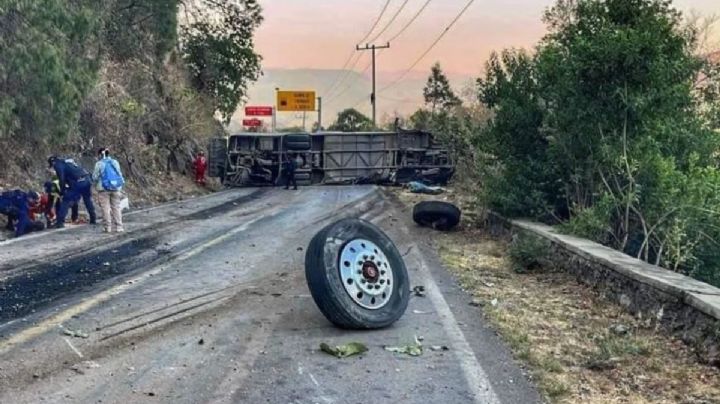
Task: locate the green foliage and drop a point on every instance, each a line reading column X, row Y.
column 528, row 252
column 137, row 26
column 607, row 127
column 421, row 119
column 49, row 61
column 438, row 93
column 220, row 52
column 351, row 120
column 519, row 174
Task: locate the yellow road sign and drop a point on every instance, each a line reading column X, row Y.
column 296, row 100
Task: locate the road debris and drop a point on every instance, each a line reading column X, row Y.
column 75, row 333
column 421, row 312
column 477, row 303
column 494, row 302
column 343, row 351
column 419, row 188
column 439, row 348
column 419, row 291
column 414, row 349
column 201, row 342
column 619, row 329
column 81, row 367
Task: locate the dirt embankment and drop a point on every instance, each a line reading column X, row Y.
column 579, row 347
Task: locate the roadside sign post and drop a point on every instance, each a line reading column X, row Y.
column 299, row 101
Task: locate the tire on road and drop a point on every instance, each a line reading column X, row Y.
column 370, row 292
column 438, row 215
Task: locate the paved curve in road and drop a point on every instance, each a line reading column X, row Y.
column 206, row 301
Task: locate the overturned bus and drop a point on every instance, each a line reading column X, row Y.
column 255, row 159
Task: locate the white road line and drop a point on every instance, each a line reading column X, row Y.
column 91, row 302
column 73, row 348
column 476, row 377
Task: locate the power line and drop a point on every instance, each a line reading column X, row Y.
column 394, row 37
column 392, row 20
column 437, row 40
column 409, row 23
column 353, row 52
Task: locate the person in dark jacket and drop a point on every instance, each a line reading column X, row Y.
column 52, row 190
column 16, row 205
column 75, row 183
column 290, row 167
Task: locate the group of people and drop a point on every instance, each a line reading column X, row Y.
column 70, row 184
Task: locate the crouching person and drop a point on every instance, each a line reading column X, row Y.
column 17, row 206
column 109, row 181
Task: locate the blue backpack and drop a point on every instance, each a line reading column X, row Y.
column 110, row 178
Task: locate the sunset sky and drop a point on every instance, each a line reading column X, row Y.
column 322, row 33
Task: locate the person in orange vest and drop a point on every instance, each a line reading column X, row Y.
column 200, row 164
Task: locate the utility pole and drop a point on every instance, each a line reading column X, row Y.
column 319, row 100
column 373, row 97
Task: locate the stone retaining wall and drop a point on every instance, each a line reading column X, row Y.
column 677, row 303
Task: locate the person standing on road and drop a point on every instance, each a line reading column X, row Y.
column 290, row 167
column 200, row 164
column 109, row 181
column 75, row 183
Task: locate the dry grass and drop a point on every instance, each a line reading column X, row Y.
column 563, row 331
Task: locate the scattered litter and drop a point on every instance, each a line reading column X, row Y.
column 488, row 284
column 75, row 333
column 476, row 303
column 419, row 291
column 439, row 348
column 81, row 367
column 494, row 302
column 420, row 188
column 619, row 329
column 421, row 312
column 343, row 351
column 414, row 349
column 106, row 264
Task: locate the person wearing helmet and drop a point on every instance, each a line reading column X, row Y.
column 75, row 183
column 16, row 205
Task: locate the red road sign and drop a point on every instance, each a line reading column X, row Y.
column 253, row 123
column 258, row 111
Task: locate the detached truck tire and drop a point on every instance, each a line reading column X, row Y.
column 356, row 275
column 438, row 215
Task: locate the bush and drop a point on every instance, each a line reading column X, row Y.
column 528, row 252
column 605, row 130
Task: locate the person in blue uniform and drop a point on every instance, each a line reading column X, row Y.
column 16, row 205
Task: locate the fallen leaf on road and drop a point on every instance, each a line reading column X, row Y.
column 76, row 333
column 415, row 349
column 343, row 351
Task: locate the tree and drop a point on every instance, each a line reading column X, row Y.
column 219, row 51
column 606, row 127
column 49, row 60
column 437, row 92
column 351, row 120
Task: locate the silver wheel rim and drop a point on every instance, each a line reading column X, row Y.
column 366, row 274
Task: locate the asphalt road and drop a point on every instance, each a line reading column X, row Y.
column 206, row 301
